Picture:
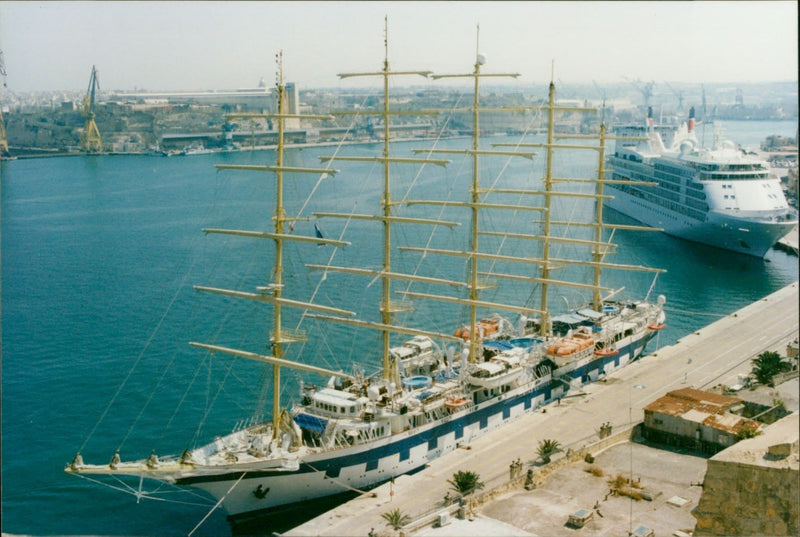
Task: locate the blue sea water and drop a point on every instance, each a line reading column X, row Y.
column 99, row 256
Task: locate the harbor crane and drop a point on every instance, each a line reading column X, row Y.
column 646, row 89
column 91, row 141
column 602, row 93
column 678, row 95
column 3, row 139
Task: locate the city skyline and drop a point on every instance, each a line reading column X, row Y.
column 172, row 46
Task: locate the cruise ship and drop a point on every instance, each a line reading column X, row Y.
column 722, row 197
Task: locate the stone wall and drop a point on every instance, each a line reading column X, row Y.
column 752, row 488
column 741, row 499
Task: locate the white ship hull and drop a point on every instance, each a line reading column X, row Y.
column 746, row 236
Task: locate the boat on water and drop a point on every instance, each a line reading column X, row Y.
column 721, row 196
column 437, row 390
column 196, row 149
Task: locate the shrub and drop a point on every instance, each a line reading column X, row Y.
column 594, row 470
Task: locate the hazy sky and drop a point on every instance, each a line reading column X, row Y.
column 220, row 45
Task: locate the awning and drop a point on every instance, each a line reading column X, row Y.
column 312, row 423
column 586, row 312
column 569, row 318
column 498, row 344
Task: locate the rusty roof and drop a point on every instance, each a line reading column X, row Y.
column 677, row 402
column 710, row 409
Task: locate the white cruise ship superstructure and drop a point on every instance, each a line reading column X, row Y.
column 721, row 196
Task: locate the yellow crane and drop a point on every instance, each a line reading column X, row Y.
column 3, row 139
column 91, row 141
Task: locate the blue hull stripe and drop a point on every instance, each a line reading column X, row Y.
column 403, row 447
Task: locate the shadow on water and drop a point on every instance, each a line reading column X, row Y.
column 283, row 519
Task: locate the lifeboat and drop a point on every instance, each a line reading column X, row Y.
column 463, row 333
column 656, row 327
column 566, row 349
column 454, row 403
column 570, row 345
column 607, row 351
column 486, row 327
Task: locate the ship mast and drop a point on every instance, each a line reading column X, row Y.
column 475, row 204
column 388, row 307
column 273, row 293
column 599, row 247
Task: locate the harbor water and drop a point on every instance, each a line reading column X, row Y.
column 99, row 258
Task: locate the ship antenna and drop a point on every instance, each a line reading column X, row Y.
column 386, row 42
column 478, row 40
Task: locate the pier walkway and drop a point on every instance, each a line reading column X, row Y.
column 789, row 242
column 710, row 356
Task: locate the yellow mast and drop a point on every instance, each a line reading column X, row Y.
column 387, row 307
column 599, row 246
column 273, row 293
column 599, row 253
column 475, row 192
column 473, row 283
column 277, row 340
column 386, row 310
column 548, row 185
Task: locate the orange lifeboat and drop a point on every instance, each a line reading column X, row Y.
column 454, row 403
column 566, row 349
column 656, row 327
column 463, row 333
column 486, row 327
column 607, row 351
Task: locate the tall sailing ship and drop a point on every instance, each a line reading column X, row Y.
column 717, row 196
column 435, row 390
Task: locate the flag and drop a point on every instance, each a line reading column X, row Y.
column 319, row 235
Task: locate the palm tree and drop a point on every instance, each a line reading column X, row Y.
column 766, row 366
column 547, row 448
column 465, row 482
column 396, row 519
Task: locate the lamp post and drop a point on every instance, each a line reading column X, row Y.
column 630, row 420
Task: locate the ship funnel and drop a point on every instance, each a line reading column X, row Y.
column 649, row 116
column 691, row 120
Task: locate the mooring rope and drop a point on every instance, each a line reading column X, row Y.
column 216, row 505
column 720, row 315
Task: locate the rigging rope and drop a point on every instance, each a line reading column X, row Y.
column 217, row 504
column 450, row 192
column 127, row 489
column 137, row 361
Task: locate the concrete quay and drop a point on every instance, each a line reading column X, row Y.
column 703, row 359
column 789, row 242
